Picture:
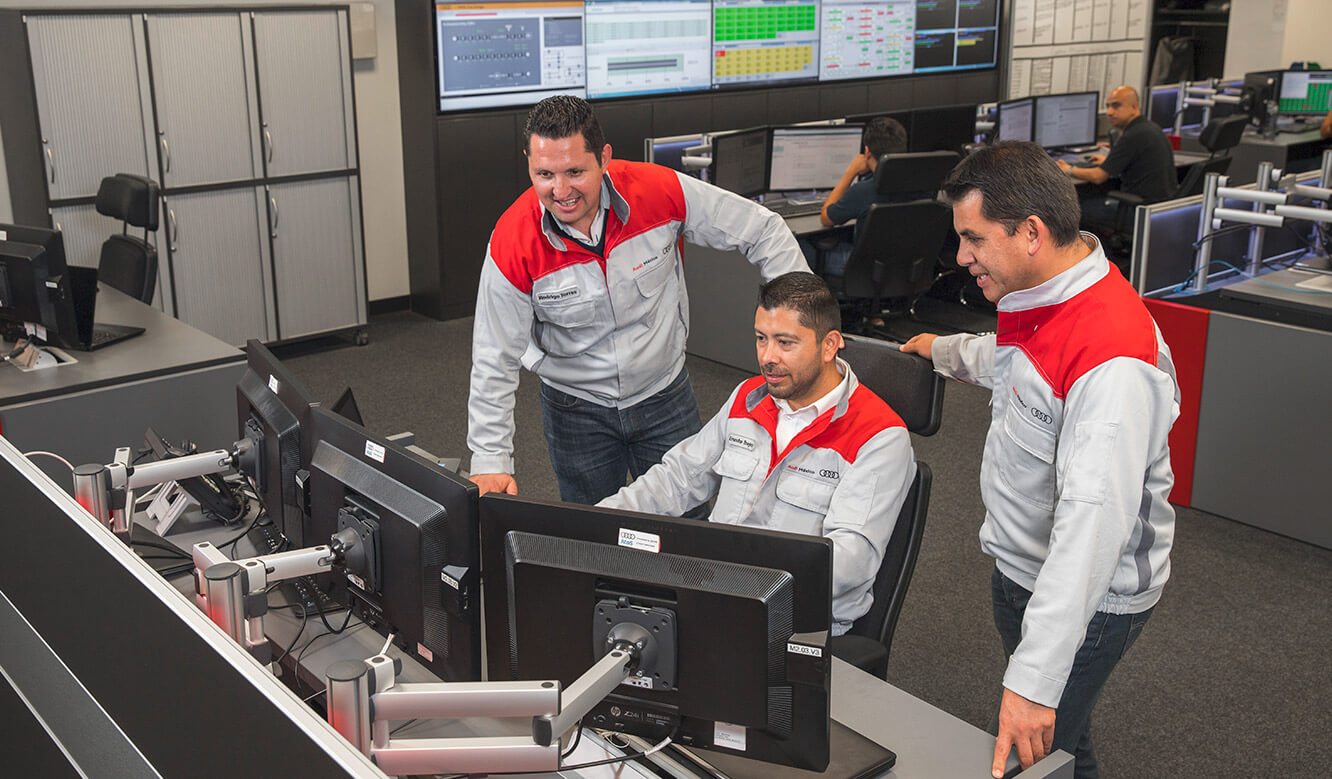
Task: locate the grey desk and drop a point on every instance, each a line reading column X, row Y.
column 1291, row 152
column 173, row 378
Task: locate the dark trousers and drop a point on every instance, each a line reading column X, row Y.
column 1108, row 637
column 593, row 448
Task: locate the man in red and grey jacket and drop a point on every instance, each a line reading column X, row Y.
column 1076, row 470
column 802, row 448
column 583, row 285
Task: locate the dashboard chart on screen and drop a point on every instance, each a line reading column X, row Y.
column 498, row 53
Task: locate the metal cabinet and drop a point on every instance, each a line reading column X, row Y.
column 204, row 95
column 89, row 73
column 219, row 259
column 315, row 228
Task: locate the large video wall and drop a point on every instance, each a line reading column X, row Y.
column 494, row 53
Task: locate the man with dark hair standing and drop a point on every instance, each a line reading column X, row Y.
column 1076, row 470
column 583, row 285
column 1141, row 159
column 802, row 448
column 854, row 194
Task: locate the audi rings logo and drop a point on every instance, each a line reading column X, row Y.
column 1043, row 417
column 827, row 474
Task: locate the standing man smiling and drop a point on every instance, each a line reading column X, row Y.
column 1076, row 469
column 583, row 285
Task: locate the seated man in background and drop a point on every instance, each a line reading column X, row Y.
column 854, row 194
column 1141, row 159
column 802, row 448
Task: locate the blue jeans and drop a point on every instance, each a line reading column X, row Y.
column 593, row 448
column 1108, row 637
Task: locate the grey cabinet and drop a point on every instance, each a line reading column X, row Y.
column 247, row 119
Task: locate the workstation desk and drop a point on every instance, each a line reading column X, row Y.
column 166, row 378
column 163, row 689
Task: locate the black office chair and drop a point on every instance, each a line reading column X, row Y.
column 127, row 262
column 910, row 386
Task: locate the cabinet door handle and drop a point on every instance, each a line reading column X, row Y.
column 50, row 160
column 174, row 232
column 273, row 218
column 166, row 153
column 268, row 143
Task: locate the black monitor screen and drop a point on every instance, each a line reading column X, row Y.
column 559, row 577
column 273, row 409
column 35, row 285
column 410, row 526
column 942, row 128
column 740, row 161
column 1066, row 120
column 1015, row 120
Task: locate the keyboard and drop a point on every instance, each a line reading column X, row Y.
column 1083, row 164
column 788, row 208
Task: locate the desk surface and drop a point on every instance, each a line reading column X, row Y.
column 1279, row 287
column 166, row 346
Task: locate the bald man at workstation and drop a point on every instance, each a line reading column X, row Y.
column 1141, row 159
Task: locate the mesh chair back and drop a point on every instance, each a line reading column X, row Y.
column 897, row 250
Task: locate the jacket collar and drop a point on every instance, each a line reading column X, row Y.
column 1064, row 286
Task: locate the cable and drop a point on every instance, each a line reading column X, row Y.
column 182, row 554
column 51, row 455
column 240, row 535
column 305, row 618
column 324, row 619
column 1184, row 284
column 387, row 643
column 664, row 743
column 578, row 736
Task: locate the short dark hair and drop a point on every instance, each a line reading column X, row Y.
column 807, row 295
column 1017, row 179
column 884, row 135
column 562, row 116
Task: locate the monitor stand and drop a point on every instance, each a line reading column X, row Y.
column 853, row 757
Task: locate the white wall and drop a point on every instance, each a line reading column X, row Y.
column 379, row 129
column 1271, row 34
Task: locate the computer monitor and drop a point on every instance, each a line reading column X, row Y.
column 273, row 409
column 810, row 158
column 1066, row 120
column 942, row 128
column 1305, row 93
column 745, row 678
column 34, row 283
column 1260, row 88
column 1015, row 120
column 740, row 161
column 413, row 571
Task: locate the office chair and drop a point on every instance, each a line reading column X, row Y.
column 910, row 386
column 127, row 262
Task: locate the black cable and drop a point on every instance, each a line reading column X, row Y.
column 578, row 736
column 241, row 534
column 305, row 618
column 324, row 619
column 164, row 547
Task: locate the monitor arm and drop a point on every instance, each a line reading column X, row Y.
column 107, row 491
column 364, row 696
column 233, row 592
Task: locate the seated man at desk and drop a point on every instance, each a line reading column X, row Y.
column 1141, row 159
column 801, row 448
column 854, row 194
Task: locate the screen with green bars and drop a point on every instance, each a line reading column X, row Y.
column 747, row 24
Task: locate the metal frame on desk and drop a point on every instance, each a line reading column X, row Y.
column 174, row 378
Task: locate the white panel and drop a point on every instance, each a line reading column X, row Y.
column 316, row 257
column 304, row 89
column 89, row 100
column 217, row 257
column 203, row 98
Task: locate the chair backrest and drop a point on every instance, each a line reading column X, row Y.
column 899, row 563
column 129, row 264
column 1196, row 175
column 906, row 382
column 131, row 199
column 897, row 250
column 919, row 173
column 1223, row 134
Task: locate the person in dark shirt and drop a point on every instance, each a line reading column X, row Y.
column 1141, row 159
column 854, row 194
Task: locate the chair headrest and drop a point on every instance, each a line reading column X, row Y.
column 906, row 382
column 130, row 198
column 922, row 172
column 1224, row 133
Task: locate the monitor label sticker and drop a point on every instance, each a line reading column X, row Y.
column 638, row 681
column 801, row 649
column 724, row 734
column 374, row 451
column 273, row 384
column 636, row 539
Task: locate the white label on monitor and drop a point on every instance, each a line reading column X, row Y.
column 374, row 451
column 636, row 539
column 426, row 653
column 273, row 384
column 358, row 581
column 724, row 734
column 801, row 649
column 449, row 580
column 638, row 681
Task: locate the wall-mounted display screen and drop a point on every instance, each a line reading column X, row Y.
column 497, row 53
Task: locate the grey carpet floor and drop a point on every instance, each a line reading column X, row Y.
column 1231, row 677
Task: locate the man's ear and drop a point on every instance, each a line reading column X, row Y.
column 1035, row 232
column 832, row 344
